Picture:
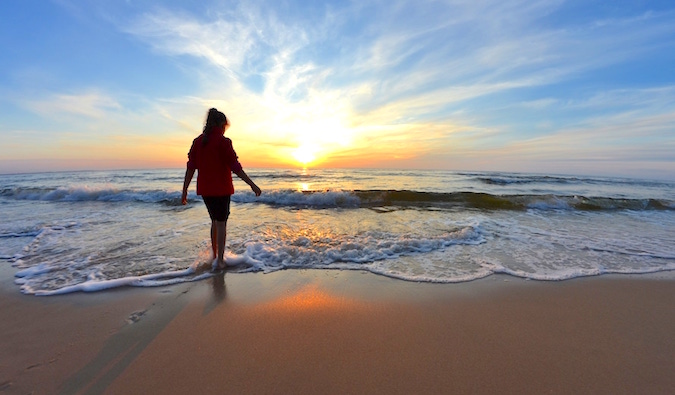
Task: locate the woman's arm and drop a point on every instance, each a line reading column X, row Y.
column 242, row 174
column 189, row 173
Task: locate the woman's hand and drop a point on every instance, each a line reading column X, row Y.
column 256, row 190
column 183, row 199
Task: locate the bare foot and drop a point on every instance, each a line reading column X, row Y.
column 218, row 264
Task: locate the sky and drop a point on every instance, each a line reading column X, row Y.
column 579, row 87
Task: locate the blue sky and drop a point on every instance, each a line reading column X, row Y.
column 571, row 87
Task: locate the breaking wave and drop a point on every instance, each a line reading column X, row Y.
column 354, row 199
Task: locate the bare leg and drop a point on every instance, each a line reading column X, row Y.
column 218, row 237
column 214, row 242
column 222, row 237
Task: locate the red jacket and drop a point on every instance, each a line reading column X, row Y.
column 214, row 163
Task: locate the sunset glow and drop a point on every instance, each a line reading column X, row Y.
column 564, row 87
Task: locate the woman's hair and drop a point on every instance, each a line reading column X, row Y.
column 214, row 119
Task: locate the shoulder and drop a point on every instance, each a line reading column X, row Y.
column 195, row 144
column 225, row 141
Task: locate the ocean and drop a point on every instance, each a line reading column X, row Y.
column 89, row 231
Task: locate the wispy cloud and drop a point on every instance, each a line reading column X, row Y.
column 90, row 104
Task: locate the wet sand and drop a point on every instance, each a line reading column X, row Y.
column 332, row 332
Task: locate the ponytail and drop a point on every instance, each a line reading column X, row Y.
column 214, row 119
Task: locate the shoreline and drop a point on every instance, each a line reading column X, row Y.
column 309, row 331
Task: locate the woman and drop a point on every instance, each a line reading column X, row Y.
column 214, row 159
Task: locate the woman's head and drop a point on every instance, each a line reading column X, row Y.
column 214, row 119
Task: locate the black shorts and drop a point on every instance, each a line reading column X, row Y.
column 218, row 206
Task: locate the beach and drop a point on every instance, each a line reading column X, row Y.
column 331, row 331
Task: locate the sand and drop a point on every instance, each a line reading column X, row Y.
column 333, row 332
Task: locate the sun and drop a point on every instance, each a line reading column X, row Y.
column 312, row 136
column 305, row 153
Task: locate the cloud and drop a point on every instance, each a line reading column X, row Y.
column 617, row 138
column 662, row 97
column 90, row 104
column 454, row 50
column 241, row 40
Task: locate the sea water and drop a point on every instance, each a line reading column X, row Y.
column 87, row 231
